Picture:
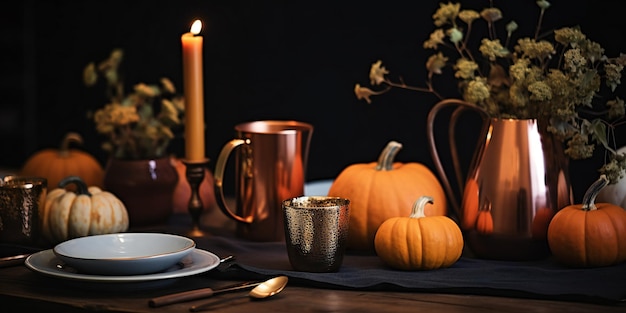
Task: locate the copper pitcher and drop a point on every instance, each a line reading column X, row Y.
column 517, row 180
column 270, row 166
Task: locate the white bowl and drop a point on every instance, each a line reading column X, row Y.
column 124, row 253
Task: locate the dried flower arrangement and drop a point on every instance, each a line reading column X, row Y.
column 556, row 81
column 136, row 128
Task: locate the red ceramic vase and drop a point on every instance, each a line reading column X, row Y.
column 182, row 193
column 146, row 188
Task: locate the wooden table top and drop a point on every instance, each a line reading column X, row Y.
column 25, row 291
column 22, row 290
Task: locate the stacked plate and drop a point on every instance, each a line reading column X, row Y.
column 124, row 257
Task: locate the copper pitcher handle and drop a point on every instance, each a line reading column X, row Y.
column 219, row 179
column 461, row 105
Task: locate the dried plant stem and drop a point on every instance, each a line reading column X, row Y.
column 539, row 23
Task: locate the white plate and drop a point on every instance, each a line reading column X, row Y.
column 124, row 253
column 198, row 261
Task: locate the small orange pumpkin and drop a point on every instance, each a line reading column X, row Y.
column 589, row 234
column 541, row 221
column 484, row 221
column 381, row 190
column 56, row 164
column 419, row 242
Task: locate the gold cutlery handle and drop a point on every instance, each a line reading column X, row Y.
column 196, row 294
column 181, row 297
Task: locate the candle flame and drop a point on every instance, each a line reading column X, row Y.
column 196, row 27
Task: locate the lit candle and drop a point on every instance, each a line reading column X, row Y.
column 194, row 95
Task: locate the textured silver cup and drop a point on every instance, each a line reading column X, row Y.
column 21, row 199
column 316, row 230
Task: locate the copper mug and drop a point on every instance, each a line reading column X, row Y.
column 270, row 166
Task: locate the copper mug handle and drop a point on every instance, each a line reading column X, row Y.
column 219, row 179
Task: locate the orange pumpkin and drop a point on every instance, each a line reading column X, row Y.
column 182, row 192
column 382, row 190
column 541, row 221
column 419, row 242
column 470, row 205
column 589, row 234
column 57, row 164
column 484, row 221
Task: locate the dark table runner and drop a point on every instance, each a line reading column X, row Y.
column 533, row 279
column 543, row 279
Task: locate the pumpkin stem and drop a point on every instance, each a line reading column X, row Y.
column 65, row 144
column 589, row 199
column 386, row 158
column 81, row 187
column 418, row 206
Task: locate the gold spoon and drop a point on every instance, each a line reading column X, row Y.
column 266, row 289
column 269, row 287
column 207, row 292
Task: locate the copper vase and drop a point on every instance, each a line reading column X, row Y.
column 518, row 179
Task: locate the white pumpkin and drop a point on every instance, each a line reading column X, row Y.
column 616, row 193
column 87, row 211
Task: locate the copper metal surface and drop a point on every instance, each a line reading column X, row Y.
column 270, row 166
column 521, row 179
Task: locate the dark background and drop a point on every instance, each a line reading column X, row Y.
column 262, row 60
